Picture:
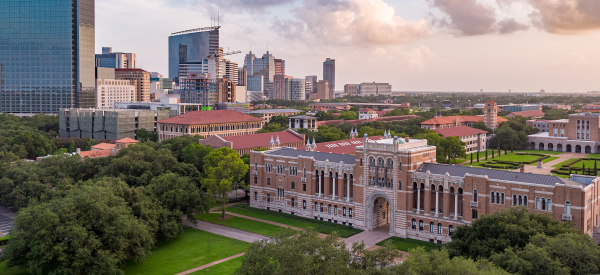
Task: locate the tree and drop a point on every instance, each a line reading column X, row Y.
column 178, row 194
column 223, row 167
column 144, row 135
column 308, row 253
column 398, row 112
column 477, row 112
column 72, row 147
column 436, row 140
column 322, row 116
column 495, row 232
column 90, row 143
column 194, row 154
column 281, row 120
column 89, row 231
column 348, row 115
column 439, row 262
column 454, row 148
column 481, row 126
column 272, row 127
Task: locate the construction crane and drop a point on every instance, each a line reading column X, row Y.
column 217, row 54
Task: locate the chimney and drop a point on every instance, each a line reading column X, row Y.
column 78, row 151
column 407, row 139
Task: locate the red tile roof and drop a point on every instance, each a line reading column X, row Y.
column 459, row 131
column 210, row 117
column 103, row 146
column 95, row 153
column 347, row 146
column 262, row 140
column 451, row 119
column 533, row 113
column 490, row 101
column 366, row 110
column 126, row 140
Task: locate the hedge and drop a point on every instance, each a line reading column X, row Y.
column 4, row 240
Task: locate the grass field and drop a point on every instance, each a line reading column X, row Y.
column 320, row 226
column 224, row 268
column 193, row 248
column 597, row 156
column 241, row 223
column 408, row 244
column 547, row 160
column 562, row 163
column 18, row 270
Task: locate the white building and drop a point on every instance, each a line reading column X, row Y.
column 231, row 70
column 166, row 103
column 375, row 89
column 367, row 113
column 109, row 91
column 156, row 93
column 241, row 95
column 298, row 88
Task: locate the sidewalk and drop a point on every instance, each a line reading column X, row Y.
column 211, row 264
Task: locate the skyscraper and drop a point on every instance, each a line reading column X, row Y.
column 110, row 59
column 329, row 75
column 264, row 67
column 193, row 51
column 47, row 55
column 231, row 70
column 279, row 66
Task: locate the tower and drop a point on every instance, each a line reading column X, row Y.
column 491, row 115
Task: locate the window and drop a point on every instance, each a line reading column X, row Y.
column 361, row 162
column 329, row 209
column 543, row 204
column 304, row 187
column 525, row 200
column 293, row 202
column 255, row 166
column 304, row 205
column 268, row 181
column 431, row 227
column 293, row 185
column 502, row 197
column 450, row 230
column 475, row 195
column 414, row 224
column 497, row 197
column 420, row 225
column 316, row 206
column 514, row 199
column 493, row 197
column 520, row 200
column 335, row 212
column 568, row 208
column 399, row 185
column 304, row 172
column 255, row 196
column 350, row 212
column 255, row 180
column 537, row 203
column 549, row 204
column 372, row 162
column 474, row 214
column 321, row 207
column 268, row 197
column 390, row 165
column 440, row 228
column 344, row 211
column 400, row 166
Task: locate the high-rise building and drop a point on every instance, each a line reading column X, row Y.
column 197, row 88
column 323, row 90
column 491, row 115
column 139, row 78
column 310, row 85
column 231, row 70
column 110, row 59
column 298, row 89
column 46, row 55
column 226, row 90
column 109, row 91
column 282, row 87
column 242, row 76
column 264, row 67
column 194, row 51
column 329, row 75
column 351, row 89
column 374, row 89
column 279, row 66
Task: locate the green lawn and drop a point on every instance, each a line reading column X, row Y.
column 241, row 223
column 193, row 248
column 224, row 268
column 563, row 163
column 408, row 244
column 546, row 160
column 588, row 164
column 288, row 219
column 18, row 270
column 554, row 153
column 597, row 156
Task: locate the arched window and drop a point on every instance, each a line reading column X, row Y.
column 321, row 207
column 255, row 196
column 568, row 208
column 344, row 211
column 543, row 204
column 549, row 204
column 525, row 200
column 399, row 185
column 304, row 172
column 514, row 199
column 268, row 197
column 329, row 209
column 372, row 162
column 537, row 203
column 380, row 163
column 350, row 212
column 502, row 197
column 450, row 230
column 390, row 164
column 304, row 205
column 440, row 228
column 293, row 202
column 497, row 198
column 431, row 227
column 414, row 224
column 361, row 162
column 400, row 166
column 255, row 166
column 475, row 195
column 493, row 197
column 335, row 210
column 421, row 225
column 316, row 206
column 520, row 200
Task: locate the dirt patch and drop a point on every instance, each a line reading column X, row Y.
column 227, row 217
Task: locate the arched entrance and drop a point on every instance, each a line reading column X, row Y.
column 379, row 212
column 578, row 149
column 550, row 147
column 541, row 146
column 569, row 148
column 532, row 146
column 588, row 150
column 559, row 147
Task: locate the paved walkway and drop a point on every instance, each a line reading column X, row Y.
column 259, row 220
column 211, row 264
column 226, row 231
column 547, row 167
column 370, row 238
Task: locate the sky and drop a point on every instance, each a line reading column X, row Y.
column 415, row 45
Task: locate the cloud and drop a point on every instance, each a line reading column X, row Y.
column 247, row 5
column 349, row 22
column 470, row 18
column 566, row 16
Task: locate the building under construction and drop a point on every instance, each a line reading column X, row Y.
column 108, row 124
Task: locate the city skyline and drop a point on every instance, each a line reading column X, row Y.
column 434, row 45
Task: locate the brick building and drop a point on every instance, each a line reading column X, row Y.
column 246, row 143
column 395, row 185
column 578, row 134
column 475, row 139
column 209, row 123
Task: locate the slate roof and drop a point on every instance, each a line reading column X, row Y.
column 303, row 117
column 460, row 171
column 347, row 146
column 210, row 117
column 289, row 152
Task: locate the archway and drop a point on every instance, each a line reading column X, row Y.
column 532, row 146
column 541, row 146
column 559, row 147
column 578, row 149
column 379, row 212
column 569, row 148
column 550, row 147
column 588, row 150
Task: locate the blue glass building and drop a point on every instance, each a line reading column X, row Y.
column 191, row 49
column 46, row 55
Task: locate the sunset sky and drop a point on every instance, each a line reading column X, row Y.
column 415, row 45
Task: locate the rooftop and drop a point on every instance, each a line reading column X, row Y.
column 533, row 113
column 319, row 156
column 451, row 119
column 274, row 111
column 347, row 146
column 211, row 117
column 460, row 131
column 126, row 140
column 95, row 153
column 303, row 117
column 103, row 146
column 262, row 140
column 460, row 171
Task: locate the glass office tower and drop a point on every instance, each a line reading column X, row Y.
column 191, row 48
column 46, row 55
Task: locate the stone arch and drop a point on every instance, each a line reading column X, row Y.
column 588, row 149
column 577, row 148
column 550, row 147
column 541, row 146
column 559, row 147
column 569, row 148
column 532, row 146
column 369, row 210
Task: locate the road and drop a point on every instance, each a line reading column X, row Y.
column 6, row 219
